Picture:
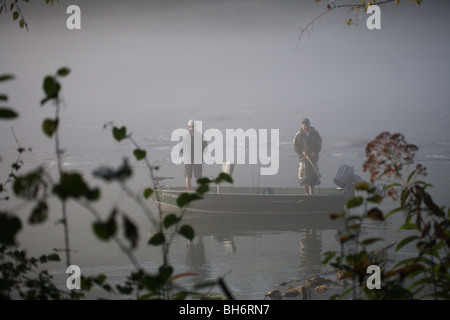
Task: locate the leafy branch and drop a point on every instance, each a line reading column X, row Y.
column 426, row 275
column 16, row 11
column 171, row 223
column 360, row 6
column 52, row 88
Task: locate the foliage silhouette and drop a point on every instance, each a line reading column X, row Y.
column 37, row 186
column 360, row 6
column 22, row 277
column 424, row 276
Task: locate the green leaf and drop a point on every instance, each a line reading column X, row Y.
column 119, row 133
column 6, row 77
column 376, row 198
column 355, row 202
column 39, row 213
column 148, row 193
column 157, row 239
column 15, row 15
column 202, row 189
column 181, row 295
column 7, row 113
column 187, row 232
column 408, row 226
column 170, row 220
column 375, row 214
column 328, row 257
column 334, row 216
column 131, row 231
column 405, row 241
column 185, row 198
column 30, row 185
column 410, row 177
column 53, row 257
column 434, row 209
column 106, row 230
column 9, row 227
column 73, row 185
column 100, row 230
column 51, row 87
column 139, row 154
column 109, row 174
column 398, row 209
column 152, row 282
column 63, row 72
column 204, row 181
column 369, row 241
column 362, row 186
column 405, row 262
column 49, row 126
column 345, row 238
column 100, row 279
column 165, row 272
column 223, row 177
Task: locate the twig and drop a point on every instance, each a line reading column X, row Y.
column 333, row 6
column 117, row 240
column 60, row 169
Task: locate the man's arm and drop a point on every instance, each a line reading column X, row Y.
column 296, row 145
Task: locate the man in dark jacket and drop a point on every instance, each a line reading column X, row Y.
column 307, row 144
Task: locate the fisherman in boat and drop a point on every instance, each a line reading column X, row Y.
column 307, row 144
column 195, row 165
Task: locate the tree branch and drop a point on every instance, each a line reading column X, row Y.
column 331, row 6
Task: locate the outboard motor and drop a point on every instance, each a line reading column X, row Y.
column 346, row 178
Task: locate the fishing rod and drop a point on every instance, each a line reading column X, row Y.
column 318, row 174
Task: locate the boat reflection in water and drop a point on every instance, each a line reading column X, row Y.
column 253, row 251
column 257, row 238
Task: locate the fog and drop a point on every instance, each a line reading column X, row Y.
column 151, row 65
column 231, row 64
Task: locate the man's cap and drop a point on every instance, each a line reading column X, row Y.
column 305, row 121
column 191, row 123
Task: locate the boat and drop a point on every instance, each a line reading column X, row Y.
column 248, row 200
column 267, row 200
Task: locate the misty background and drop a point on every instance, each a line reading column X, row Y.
column 153, row 65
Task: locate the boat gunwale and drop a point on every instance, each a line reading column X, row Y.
column 212, row 212
column 337, row 194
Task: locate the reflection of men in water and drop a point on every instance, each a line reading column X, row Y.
column 194, row 164
column 311, row 251
column 196, row 254
column 227, row 241
column 307, row 144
